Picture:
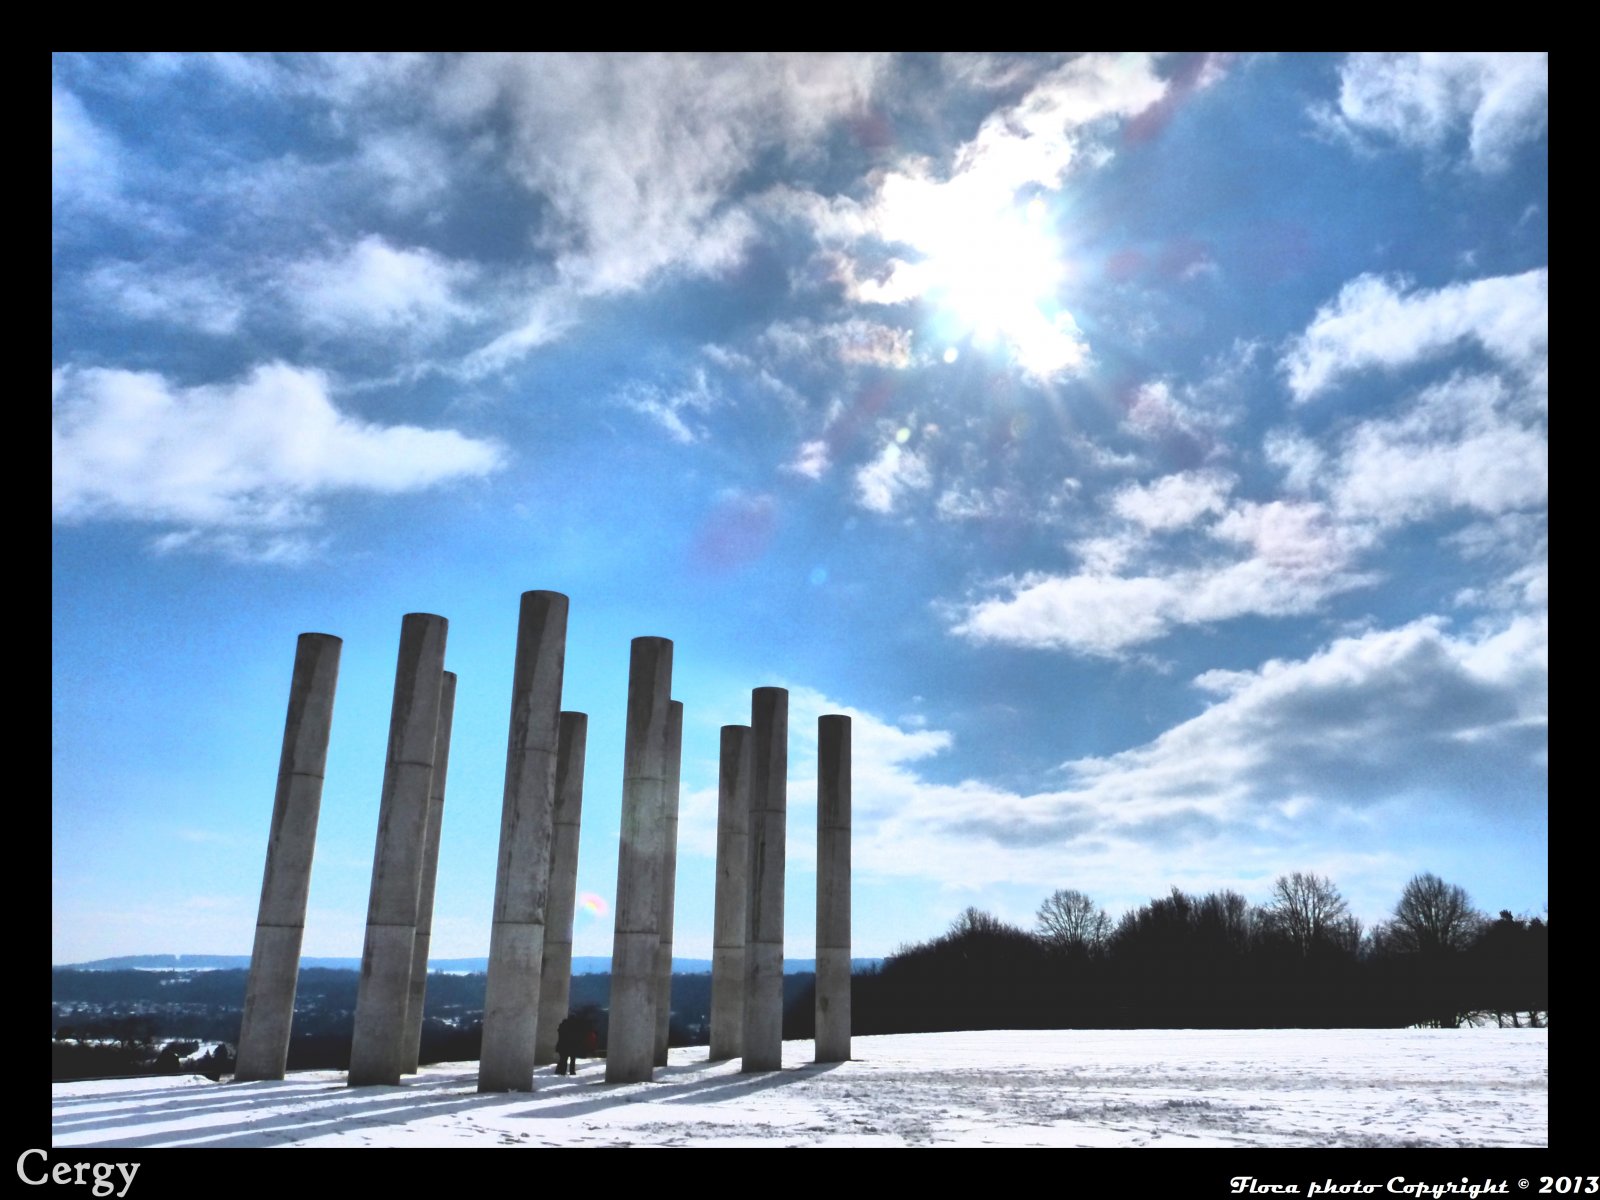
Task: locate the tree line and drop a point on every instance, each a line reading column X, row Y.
column 1300, row 959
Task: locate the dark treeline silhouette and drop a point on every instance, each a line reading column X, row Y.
column 1181, row 961
column 130, row 1049
column 1218, row 961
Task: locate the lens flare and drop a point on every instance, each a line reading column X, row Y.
column 592, row 904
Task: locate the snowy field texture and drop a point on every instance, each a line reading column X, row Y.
column 1238, row 1088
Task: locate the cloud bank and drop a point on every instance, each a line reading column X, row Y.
column 1498, row 101
column 248, row 456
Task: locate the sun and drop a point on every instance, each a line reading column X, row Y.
column 992, row 265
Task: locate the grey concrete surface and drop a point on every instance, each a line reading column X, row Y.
column 555, row 972
column 833, row 889
column 763, row 948
column 733, row 853
column 527, row 822
column 430, row 874
column 630, row 1048
column 669, row 879
column 286, row 881
column 377, row 1050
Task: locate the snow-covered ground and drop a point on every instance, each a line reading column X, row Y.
column 1345, row 1087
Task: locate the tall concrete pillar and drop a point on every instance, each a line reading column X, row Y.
column 833, row 889
column 669, row 880
column 630, row 1046
column 377, row 1051
column 527, row 822
column 763, row 946
column 733, row 852
column 555, row 973
column 430, row 874
column 281, row 918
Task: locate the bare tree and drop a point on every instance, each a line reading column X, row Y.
column 1432, row 916
column 1069, row 920
column 1225, row 919
column 1308, row 910
column 1346, row 933
column 974, row 920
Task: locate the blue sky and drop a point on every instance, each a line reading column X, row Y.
column 1148, row 452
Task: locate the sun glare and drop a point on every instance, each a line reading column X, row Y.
column 993, row 267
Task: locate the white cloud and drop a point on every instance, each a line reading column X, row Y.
column 1107, row 554
column 881, row 483
column 1174, row 500
column 414, row 170
column 1518, row 545
column 1368, row 717
column 1280, row 765
column 988, row 71
column 1156, row 414
column 345, row 80
column 232, row 459
column 1474, row 443
column 290, row 549
column 668, row 408
column 811, row 460
column 1455, row 447
column 764, row 376
column 855, row 341
column 1014, row 504
column 963, row 235
column 651, row 147
column 1038, row 139
column 969, row 504
column 834, row 221
column 1296, row 558
column 1099, row 614
column 83, row 157
column 1374, row 322
column 1500, row 101
column 548, row 317
column 255, row 73
column 1286, row 536
column 1101, row 457
column 1298, row 457
column 185, row 297
column 1513, row 535
column 373, row 288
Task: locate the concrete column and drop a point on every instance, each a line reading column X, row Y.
column 669, row 880
column 377, row 1051
column 733, row 853
column 833, row 889
column 630, row 1046
column 281, row 918
column 430, row 874
column 555, row 973
column 527, row 822
column 763, row 946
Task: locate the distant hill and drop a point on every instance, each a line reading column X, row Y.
column 583, row 965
